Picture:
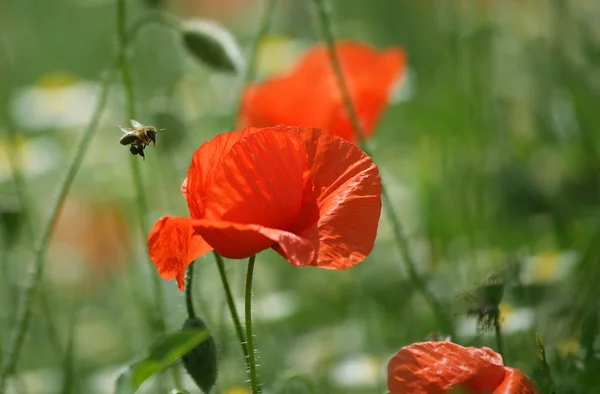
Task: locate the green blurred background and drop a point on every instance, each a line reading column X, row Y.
column 490, row 150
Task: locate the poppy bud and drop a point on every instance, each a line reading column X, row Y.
column 201, row 362
column 212, row 44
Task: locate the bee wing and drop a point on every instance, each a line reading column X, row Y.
column 125, row 129
column 135, row 123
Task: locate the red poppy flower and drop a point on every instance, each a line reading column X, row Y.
column 309, row 94
column 307, row 193
column 440, row 367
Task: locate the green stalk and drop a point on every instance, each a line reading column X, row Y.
column 189, row 281
column 401, row 240
column 499, row 344
column 24, row 309
column 141, row 202
column 21, row 190
column 18, row 332
column 247, row 77
column 250, row 339
column 237, row 323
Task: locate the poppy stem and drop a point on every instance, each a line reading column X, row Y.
column 250, row 70
column 142, row 204
column 249, row 338
column 237, row 323
column 499, row 343
column 327, row 29
column 189, row 281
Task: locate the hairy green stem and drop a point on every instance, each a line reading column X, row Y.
column 250, row 70
column 249, row 338
column 237, row 323
column 189, row 282
column 401, row 240
column 247, row 76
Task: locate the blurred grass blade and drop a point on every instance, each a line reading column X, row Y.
column 160, row 356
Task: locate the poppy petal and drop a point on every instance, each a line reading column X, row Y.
column 205, row 160
column 173, row 245
column 260, row 181
column 436, row 367
column 239, row 241
column 343, row 214
column 515, row 382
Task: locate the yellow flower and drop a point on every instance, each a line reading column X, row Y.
column 237, row 390
column 546, row 265
column 505, row 310
column 568, row 346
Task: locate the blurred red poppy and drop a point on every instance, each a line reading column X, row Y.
column 309, row 94
column 307, row 193
column 440, row 367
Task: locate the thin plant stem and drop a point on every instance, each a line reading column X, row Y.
column 21, row 191
column 141, row 202
column 189, row 282
column 250, row 69
column 499, row 343
column 401, row 240
column 24, row 310
column 247, row 76
column 237, row 323
column 249, row 338
column 21, row 326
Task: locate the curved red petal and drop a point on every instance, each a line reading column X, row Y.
column 515, row 382
column 342, row 214
column 205, row 160
column 260, row 181
column 173, row 245
column 239, row 241
column 436, row 367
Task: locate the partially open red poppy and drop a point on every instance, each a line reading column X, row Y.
column 309, row 94
column 440, row 367
column 310, row 195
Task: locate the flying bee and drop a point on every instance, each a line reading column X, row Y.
column 138, row 137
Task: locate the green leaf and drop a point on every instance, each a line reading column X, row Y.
column 160, row 356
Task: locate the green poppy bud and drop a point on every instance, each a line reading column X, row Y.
column 212, row 44
column 201, row 362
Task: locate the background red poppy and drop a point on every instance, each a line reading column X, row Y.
column 308, row 95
